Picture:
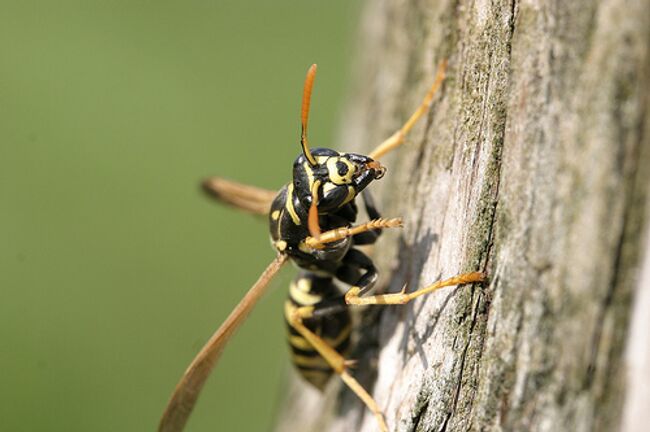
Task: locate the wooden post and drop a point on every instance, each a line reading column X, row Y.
column 534, row 165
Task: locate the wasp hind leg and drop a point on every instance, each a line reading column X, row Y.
column 296, row 316
column 354, row 294
column 356, row 260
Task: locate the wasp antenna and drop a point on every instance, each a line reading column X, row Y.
column 306, row 99
column 312, row 220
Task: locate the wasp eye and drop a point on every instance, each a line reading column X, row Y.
column 342, row 168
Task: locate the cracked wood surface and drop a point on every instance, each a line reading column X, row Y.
column 532, row 166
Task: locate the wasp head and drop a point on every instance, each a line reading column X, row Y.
column 335, row 178
column 329, row 178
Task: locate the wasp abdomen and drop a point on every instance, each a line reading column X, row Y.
column 308, row 290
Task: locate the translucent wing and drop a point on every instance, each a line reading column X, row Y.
column 187, row 390
column 244, row 197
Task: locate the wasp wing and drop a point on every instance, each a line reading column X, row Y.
column 244, row 197
column 187, row 390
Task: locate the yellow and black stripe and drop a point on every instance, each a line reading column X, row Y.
column 334, row 179
column 309, row 290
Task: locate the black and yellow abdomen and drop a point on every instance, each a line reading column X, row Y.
column 307, row 290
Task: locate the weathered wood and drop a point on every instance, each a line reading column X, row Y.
column 532, row 165
column 637, row 397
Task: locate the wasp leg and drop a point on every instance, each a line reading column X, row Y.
column 353, row 262
column 397, row 138
column 244, row 197
column 341, row 233
column 339, row 364
column 353, row 296
column 349, row 272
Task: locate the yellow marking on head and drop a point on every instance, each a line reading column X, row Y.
column 289, row 205
column 310, row 174
column 281, row 245
column 322, row 159
column 275, row 215
column 333, row 171
column 327, row 187
column 303, row 296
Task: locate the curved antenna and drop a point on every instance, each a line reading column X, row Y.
column 306, row 99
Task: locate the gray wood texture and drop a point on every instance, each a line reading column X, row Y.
column 533, row 166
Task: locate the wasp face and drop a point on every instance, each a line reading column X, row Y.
column 358, row 165
column 336, row 179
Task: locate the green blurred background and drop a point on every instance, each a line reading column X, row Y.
column 114, row 269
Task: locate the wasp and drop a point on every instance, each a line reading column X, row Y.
column 312, row 223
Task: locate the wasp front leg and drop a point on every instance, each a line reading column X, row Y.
column 337, row 234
